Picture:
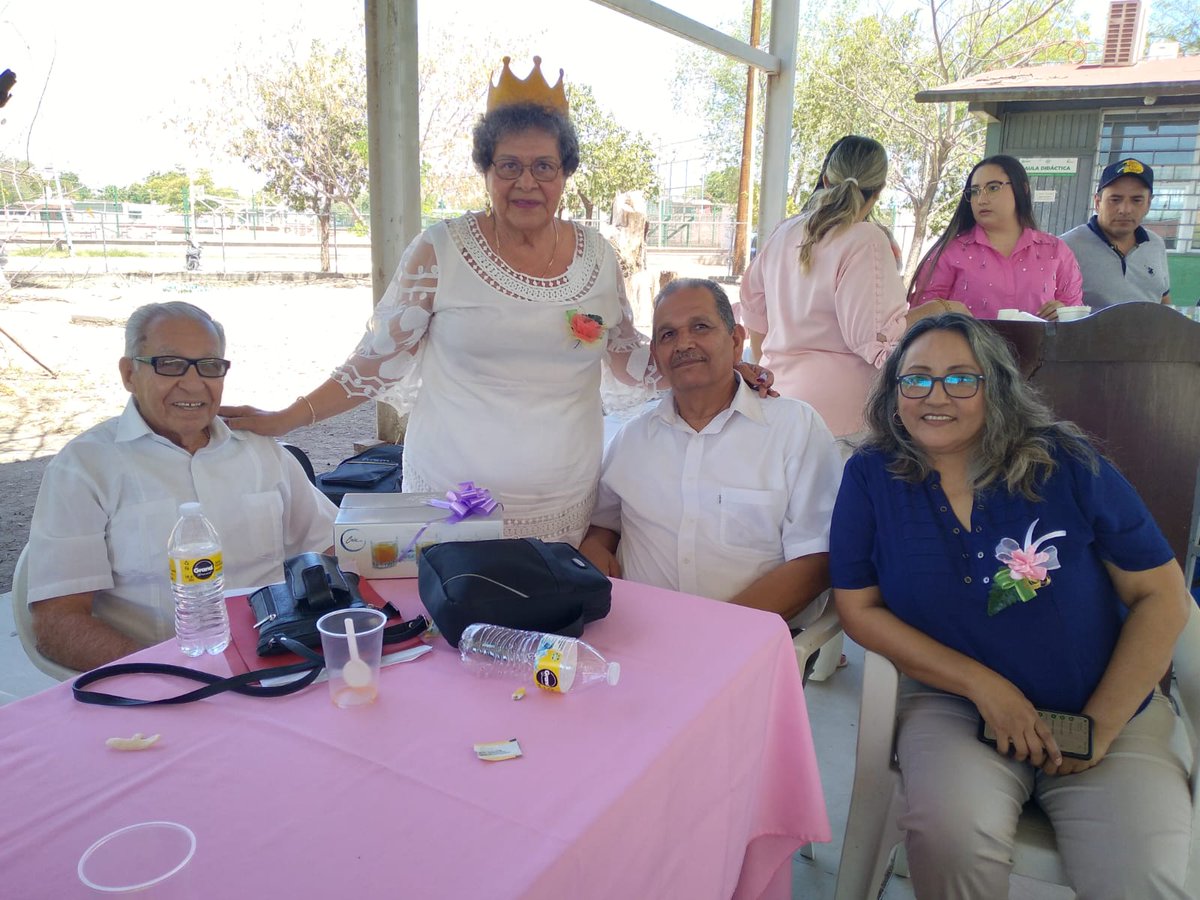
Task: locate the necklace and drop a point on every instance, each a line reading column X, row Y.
column 553, row 253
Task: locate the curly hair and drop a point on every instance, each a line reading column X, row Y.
column 519, row 117
column 1020, row 431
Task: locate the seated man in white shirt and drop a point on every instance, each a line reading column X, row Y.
column 716, row 491
column 98, row 583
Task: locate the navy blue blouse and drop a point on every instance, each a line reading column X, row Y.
column 936, row 574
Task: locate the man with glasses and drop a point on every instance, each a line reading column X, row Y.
column 1121, row 261
column 98, row 585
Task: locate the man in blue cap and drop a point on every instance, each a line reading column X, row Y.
column 1121, row 261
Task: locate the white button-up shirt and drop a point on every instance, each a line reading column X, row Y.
column 110, row 498
column 710, row 512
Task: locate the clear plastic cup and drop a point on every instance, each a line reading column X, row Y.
column 1070, row 313
column 136, row 857
column 368, row 637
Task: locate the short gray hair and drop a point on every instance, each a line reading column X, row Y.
column 724, row 308
column 520, row 117
column 144, row 316
column 1020, row 431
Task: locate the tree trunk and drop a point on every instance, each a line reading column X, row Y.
column 588, row 206
column 323, row 217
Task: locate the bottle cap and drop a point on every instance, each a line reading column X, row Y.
column 189, row 509
column 614, row 672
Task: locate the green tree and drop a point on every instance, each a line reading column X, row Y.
column 1177, row 20
column 300, row 121
column 612, row 159
column 170, row 188
column 721, row 185
column 861, row 73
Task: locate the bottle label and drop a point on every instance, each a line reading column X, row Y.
column 196, row 571
column 555, row 669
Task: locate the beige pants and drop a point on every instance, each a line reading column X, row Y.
column 1123, row 827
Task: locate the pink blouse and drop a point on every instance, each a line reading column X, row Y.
column 829, row 329
column 1040, row 268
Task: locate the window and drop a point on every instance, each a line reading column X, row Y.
column 1169, row 142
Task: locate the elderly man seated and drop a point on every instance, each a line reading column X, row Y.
column 716, row 491
column 98, row 584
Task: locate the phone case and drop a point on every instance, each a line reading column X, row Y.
column 1072, row 732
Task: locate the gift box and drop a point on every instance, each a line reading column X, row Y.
column 381, row 535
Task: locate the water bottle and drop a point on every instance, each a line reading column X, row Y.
column 198, row 583
column 553, row 662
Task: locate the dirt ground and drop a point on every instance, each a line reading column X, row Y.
column 283, row 339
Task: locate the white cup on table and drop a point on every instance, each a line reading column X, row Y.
column 1070, row 313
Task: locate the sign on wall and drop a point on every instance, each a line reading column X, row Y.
column 1050, row 165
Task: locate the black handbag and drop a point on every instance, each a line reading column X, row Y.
column 313, row 585
column 375, row 471
column 519, row 583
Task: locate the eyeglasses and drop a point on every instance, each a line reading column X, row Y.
column 510, row 169
column 972, row 193
column 174, row 366
column 960, row 385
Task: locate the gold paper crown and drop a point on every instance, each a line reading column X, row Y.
column 510, row 90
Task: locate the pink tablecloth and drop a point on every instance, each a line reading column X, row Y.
column 694, row 777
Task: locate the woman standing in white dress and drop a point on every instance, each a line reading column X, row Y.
column 504, row 320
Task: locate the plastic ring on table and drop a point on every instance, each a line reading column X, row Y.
column 171, row 830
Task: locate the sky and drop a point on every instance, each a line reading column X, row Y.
column 100, row 83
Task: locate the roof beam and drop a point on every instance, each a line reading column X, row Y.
column 690, row 30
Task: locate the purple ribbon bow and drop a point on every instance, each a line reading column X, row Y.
column 468, row 500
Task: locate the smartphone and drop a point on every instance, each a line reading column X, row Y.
column 1072, row 732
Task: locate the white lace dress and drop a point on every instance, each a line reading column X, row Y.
column 503, row 390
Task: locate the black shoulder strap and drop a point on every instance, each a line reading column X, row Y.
column 246, row 683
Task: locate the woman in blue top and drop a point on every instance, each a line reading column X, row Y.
column 1003, row 565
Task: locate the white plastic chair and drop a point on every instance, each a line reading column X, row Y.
column 875, row 802
column 823, row 637
column 24, row 622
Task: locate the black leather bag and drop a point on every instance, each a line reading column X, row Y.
column 520, row 583
column 375, row 471
column 313, row 585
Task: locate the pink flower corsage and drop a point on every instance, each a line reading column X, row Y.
column 1025, row 569
column 585, row 328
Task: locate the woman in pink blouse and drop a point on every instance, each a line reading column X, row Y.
column 823, row 300
column 992, row 256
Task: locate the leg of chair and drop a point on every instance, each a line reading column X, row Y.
column 828, row 658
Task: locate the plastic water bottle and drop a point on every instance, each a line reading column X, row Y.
column 198, row 583
column 551, row 661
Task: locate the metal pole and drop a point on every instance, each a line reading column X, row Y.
column 224, row 268
column 104, row 239
column 777, row 123
column 393, row 150
column 744, row 206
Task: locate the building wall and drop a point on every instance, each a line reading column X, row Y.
column 1061, row 201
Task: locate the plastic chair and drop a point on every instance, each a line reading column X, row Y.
column 876, row 800
column 824, row 638
column 24, row 622
column 302, row 458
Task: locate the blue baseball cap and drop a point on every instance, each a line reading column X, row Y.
column 1120, row 169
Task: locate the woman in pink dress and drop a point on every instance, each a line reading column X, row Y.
column 823, row 300
column 992, row 256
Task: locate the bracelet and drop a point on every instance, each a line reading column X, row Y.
column 308, row 403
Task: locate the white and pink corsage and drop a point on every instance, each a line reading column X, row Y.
column 1025, row 569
